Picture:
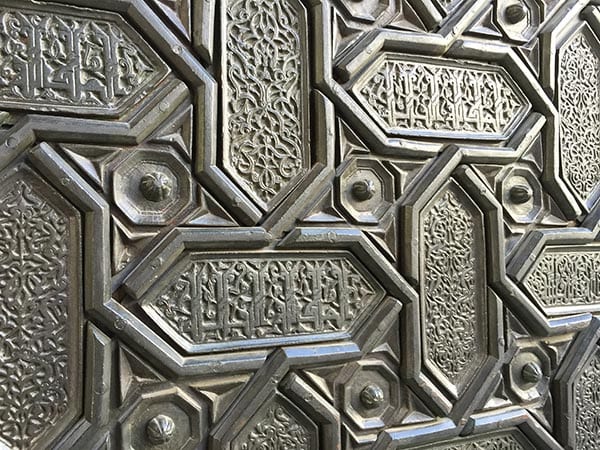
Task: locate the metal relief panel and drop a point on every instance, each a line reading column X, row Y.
column 57, row 58
column 265, row 106
column 579, row 107
column 304, row 224
column 223, row 301
column 428, row 97
column 40, row 328
column 278, row 424
column 566, row 277
column 587, row 404
column 453, row 274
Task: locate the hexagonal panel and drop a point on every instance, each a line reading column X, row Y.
column 565, row 279
column 61, row 58
column 166, row 419
column 223, row 301
column 40, row 298
column 420, row 96
column 578, row 94
column 152, row 186
column 453, row 279
column 505, row 439
column 265, row 98
column 450, row 249
column 577, row 390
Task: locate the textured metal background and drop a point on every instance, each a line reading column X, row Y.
column 299, row 224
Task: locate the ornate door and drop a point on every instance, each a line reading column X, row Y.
column 299, row 224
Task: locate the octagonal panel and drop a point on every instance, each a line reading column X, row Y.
column 40, row 332
column 370, row 393
column 453, row 284
column 421, row 96
column 579, row 107
column 67, row 59
column 164, row 419
column 219, row 301
column 366, row 190
column 265, row 96
column 152, row 186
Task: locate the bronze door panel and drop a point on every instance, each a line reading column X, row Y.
column 299, row 224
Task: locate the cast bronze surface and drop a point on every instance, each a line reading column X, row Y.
column 299, row 224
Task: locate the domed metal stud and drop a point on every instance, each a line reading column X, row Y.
column 531, row 372
column 160, row 429
column 520, row 194
column 372, row 396
column 515, row 13
column 156, row 186
column 363, row 190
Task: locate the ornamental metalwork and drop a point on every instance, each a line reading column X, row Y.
column 496, row 441
column 579, row 106
column 222, row 299
column 587, row 404
column 64, row 60
column 453, row 285
column 300, row 224
column 265, row 77
column 423, row 96
column 39, row 298
column 566, row 278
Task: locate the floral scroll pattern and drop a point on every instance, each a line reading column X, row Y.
column 266, row 97
column 441, row 99
column 35, row 287
column 579, row 107
column 566, row 278
column 278, row 430
column 587, row 405
column 62, row 60
column 220, row 300
column 452, row 286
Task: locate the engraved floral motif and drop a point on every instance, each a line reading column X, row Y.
column 68, row 62
column 452, row 288
column 278, row 430
column 265, row 92
column 227, row 299
column 566, row 278
column 440, row 98
column 579, row 107
column 36, row 288
column 587, row 405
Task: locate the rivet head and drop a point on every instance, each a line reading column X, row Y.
column 363, row 190
column 531, row 372
column 372, row 396
column 160, row 429
column 515, row 13
column 156, row 186
column 520, row 194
